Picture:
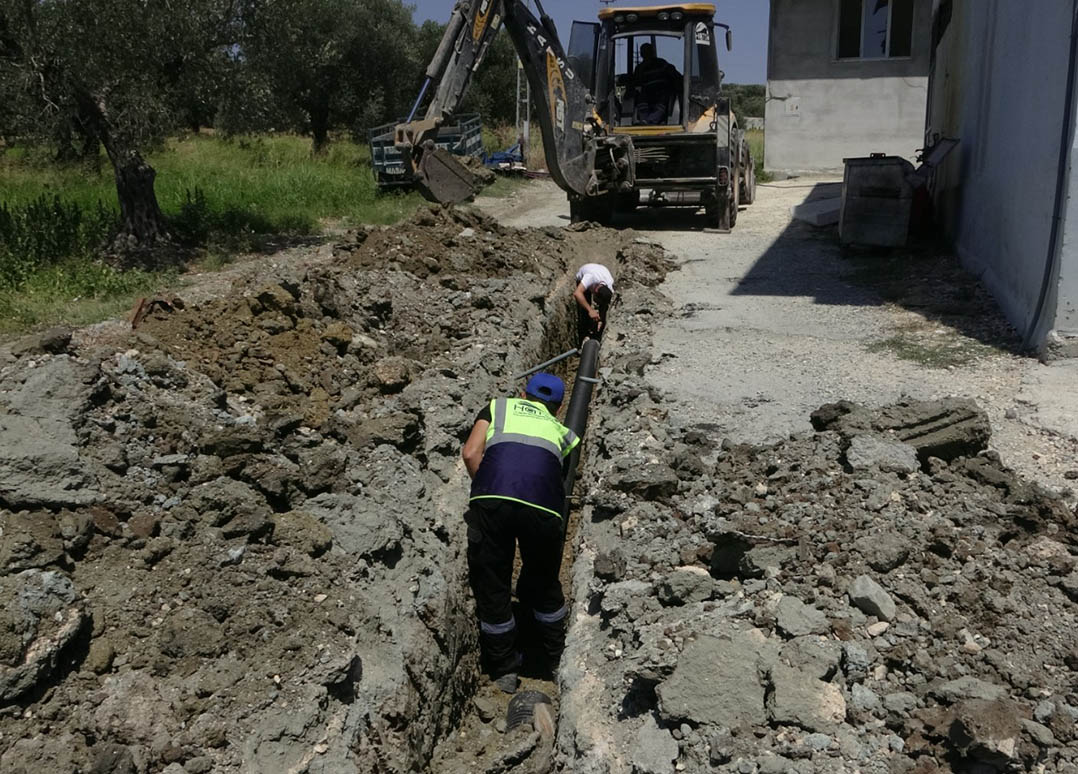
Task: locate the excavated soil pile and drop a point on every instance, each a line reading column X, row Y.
column 880, row 595
column 234, row 541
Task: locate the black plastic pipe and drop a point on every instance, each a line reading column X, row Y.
column 576, row 416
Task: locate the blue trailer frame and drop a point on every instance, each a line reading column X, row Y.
column 464, row 137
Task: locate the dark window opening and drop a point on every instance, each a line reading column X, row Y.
column 901, row 28
column 849, row 29
column 875, row 29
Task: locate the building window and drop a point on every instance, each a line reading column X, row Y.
column 875, row 29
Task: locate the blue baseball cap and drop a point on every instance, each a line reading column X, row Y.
column 546, row 387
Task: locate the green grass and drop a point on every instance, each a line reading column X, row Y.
column 266, row 184
column 220, row 195
column 942, row 350
column 756, row 147
column 76, row 292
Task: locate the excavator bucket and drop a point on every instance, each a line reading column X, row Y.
column 440, row 177
column 471, row 30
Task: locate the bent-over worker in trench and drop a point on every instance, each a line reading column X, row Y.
column 515, row 455
column 593, row 293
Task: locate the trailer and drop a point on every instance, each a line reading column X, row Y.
column 462, row 137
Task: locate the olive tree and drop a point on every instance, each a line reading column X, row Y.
column 332, row 62
column 118, row 72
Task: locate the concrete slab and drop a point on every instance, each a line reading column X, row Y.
column 821, row 212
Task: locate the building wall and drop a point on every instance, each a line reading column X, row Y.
column 821, row 110
column 1066, row 308
column 999, row 85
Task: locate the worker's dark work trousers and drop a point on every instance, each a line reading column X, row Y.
column 494, row 528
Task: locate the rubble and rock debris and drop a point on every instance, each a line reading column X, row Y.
column 235, row 535
column 883, row 595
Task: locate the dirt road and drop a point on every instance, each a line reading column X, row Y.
column 771, row 321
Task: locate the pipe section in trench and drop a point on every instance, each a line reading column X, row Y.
column 576, row 416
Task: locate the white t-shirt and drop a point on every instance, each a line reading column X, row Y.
column 591, row 274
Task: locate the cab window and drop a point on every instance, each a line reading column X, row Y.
column 648, row 78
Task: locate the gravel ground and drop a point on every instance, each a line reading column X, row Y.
column 771, row 321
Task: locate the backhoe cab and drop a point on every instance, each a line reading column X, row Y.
column 655, row 77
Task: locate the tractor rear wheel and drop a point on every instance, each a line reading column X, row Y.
column 723, row 211
column 748, row 193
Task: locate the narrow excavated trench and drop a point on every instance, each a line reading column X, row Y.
column 480, row 740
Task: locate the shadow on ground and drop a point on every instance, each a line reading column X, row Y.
column 924, row 278
column 686, row 218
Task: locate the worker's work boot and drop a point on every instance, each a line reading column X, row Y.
column 509, row 680
column 498, row 652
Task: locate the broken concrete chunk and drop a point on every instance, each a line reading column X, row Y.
column 886, row 454
column 652, row 481
column 734, row 556
column 609, row 565
column 654, row 749
column 1041, row 735
column 715, row 683
column 686, row 585
column 797, row 698
column 946, row 429
column 818, row 656
column 968, row 688
column 357, row 528
column 40, row 465
column 871, row 599
column 796, row 619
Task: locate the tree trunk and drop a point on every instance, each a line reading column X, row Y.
column 140, row 215
column 89, row 149
column 65, row 150
column 141, row 220
column 320, row 128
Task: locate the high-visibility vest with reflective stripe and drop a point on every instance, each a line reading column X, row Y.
column 522, row 460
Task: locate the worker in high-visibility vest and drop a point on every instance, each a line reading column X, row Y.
column 515, row 455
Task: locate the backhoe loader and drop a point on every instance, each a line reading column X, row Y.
column 632, row 115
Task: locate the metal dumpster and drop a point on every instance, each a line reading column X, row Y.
column 876, row 201
column 463, row 137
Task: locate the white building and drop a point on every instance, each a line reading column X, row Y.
column 845, row 78
column 1003, row 83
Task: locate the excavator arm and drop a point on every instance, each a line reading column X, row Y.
column 563, row 104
